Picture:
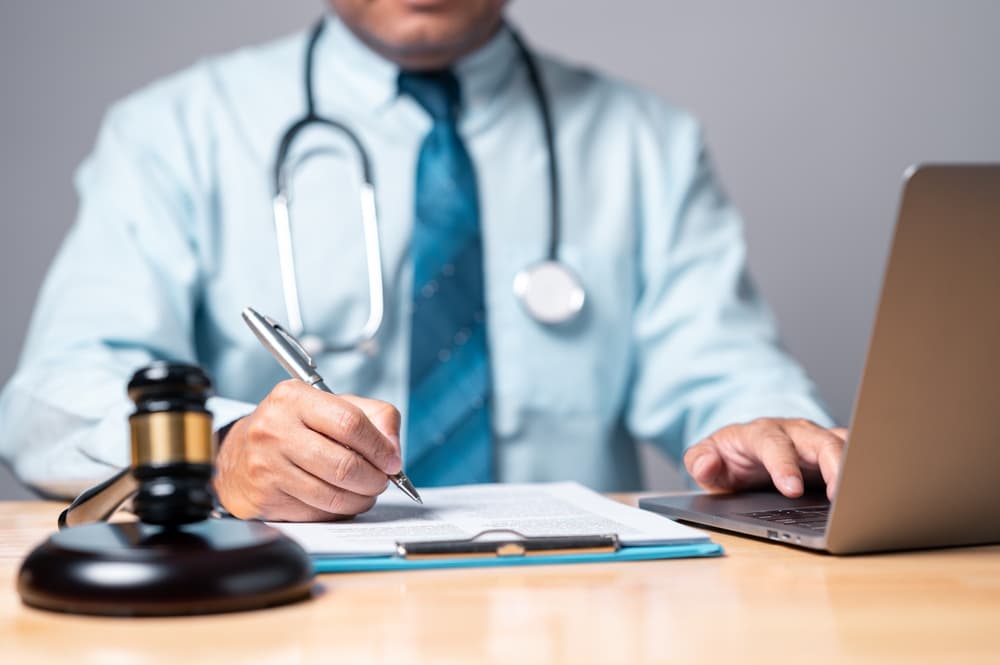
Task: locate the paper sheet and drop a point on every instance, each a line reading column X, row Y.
column 451, row 513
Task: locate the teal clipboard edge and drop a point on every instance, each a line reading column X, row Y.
column 641, row 553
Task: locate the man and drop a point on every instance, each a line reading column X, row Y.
column 174, row 238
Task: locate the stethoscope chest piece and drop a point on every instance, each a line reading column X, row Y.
column 550, row 292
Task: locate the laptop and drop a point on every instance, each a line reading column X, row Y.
column 921, row 467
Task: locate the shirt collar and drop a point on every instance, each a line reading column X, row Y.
column 370, row 79
column 484, row 72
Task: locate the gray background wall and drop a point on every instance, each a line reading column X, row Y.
column 812, row 108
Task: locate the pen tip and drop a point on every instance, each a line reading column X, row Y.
column 407, row 487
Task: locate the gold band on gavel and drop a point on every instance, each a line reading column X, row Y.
column 171, row 437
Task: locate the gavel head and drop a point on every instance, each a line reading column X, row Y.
column 173, row 446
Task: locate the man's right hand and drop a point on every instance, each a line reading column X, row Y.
column 304, row 456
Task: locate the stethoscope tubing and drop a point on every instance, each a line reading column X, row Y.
column 282, row 216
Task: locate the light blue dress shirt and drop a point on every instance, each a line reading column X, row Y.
column 175, row 236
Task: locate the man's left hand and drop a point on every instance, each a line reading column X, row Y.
column 786, row 452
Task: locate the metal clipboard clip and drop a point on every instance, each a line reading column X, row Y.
column 493, row 543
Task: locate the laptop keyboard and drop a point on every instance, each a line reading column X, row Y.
column 810, row 517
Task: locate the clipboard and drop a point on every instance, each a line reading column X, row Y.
column 510, row 548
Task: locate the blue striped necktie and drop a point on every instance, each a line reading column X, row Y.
column 448, row 423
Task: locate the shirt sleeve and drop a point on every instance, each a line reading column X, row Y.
column 707, row 352
column 122, row 291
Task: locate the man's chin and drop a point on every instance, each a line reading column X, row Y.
column 422, row 33
column 427, row 41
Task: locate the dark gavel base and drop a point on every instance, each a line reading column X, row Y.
column 136, row 569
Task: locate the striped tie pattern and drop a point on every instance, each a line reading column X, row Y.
column 448, row 423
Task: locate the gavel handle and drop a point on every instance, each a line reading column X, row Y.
column 99, row 502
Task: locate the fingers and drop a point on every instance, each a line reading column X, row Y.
column 820, row 447
column 334, row 464
column 316, row 500
column 286, row 508
column 811, row 446
column 383, row 415
column 768, row 450
column 340, row 420
column 718, row 466
column 705, row 465
column 777, row 452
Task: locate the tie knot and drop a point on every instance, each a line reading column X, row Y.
column 436, row 91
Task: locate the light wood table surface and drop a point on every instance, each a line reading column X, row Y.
column 761, row 603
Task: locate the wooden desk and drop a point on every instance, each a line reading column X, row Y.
column 761, row 603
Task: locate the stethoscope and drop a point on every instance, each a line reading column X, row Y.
column 548, row 290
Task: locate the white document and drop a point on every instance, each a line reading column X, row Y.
column 456, row 513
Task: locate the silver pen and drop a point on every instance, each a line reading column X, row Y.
column 289, row 352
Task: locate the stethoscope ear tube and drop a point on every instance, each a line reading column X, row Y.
column 286, row 261
column 550, row 292
column 548, row 132
column 365, row 340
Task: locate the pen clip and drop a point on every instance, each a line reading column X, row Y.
column 278, row 328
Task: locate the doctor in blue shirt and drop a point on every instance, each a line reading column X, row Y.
column 535, row 326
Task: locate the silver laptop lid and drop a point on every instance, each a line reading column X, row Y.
column 922, row 465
